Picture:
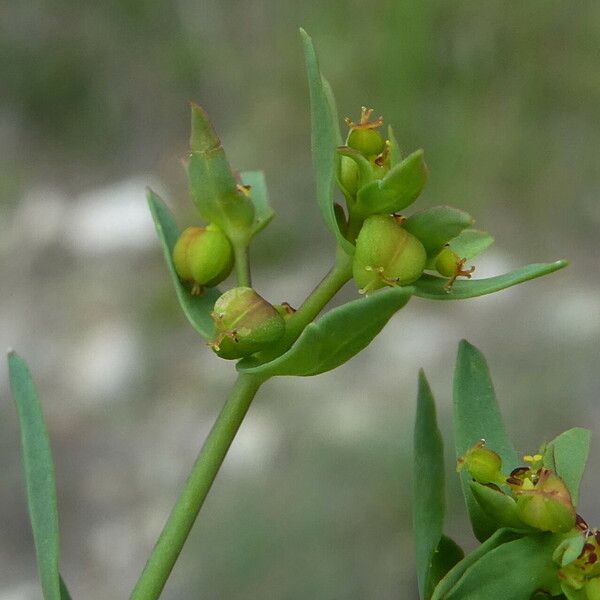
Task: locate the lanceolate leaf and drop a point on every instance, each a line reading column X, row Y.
column 432, row 287
column 428, row 486
column 499, row 507
column 569, row 453
column 512, row 571
column 336, row 337
column 196, row 308
column 324, row 139
column 263, row 213
column 39, row 476
column 477, row 416
column 502, row 536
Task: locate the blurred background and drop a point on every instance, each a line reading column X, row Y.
column 314, row 498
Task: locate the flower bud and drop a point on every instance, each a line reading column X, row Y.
column 483, row 464
column 203, row 256
column 245, row 323
column 546, row 504
column 386, row 254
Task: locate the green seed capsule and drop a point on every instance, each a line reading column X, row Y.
column 546, row 504
column 386, row 254
column 245, row 323
column 449, row 264
column 203, row 256
column 483, row 464
column 364, row 137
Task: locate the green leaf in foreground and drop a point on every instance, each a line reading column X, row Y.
column 432, row 287
column 196, row 308
column 39, row 476
column 477, row 416
column 502, row 536
column 512, row 571
column 336, row 337
column 569, row 455
column 263, row 213
column 325, row 138
column 446, row 556
column 428, row 486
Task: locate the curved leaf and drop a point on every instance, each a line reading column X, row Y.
column 502, row 536
column 499, row 507
column 428, row 486
column 335, row 338
column 569, row 455
column 38, row 468
column 471, row 242
column 325, row 138
column 432, row 287
column 446, row 556
column 196, row 308
column 263, row 213
column 436, row 226
column 477, row 416
column 512, row 571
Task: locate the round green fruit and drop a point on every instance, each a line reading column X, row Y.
column 245, row 323
column 203, row 256
column 386, row 255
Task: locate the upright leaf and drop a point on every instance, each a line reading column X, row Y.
column 432, row 287
column 196, row 308
column 512, row 571
column 477, row 416
column 428, row 486
column 263, row 213
column 325, row 138
column 569, row 455
column 446, row 556
column 64, row 592
column 39, row 476
column 336, row 337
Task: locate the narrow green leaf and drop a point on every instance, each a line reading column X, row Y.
column 502, row 536
column 470, row 243
column 196, row 308
column 432, row 287
column 39, row 476
column 325, row 138
column 570, row 453
column 512, row 571
column 436, row 226
column 263, row 213
column 336, row 337
column 477, row 416
column 428, row 486
column 446, row 556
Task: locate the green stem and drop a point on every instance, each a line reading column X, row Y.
column 190, row 501
column 242, row 264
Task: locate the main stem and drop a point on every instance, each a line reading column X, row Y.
column 205, row 469
column 242, row 264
